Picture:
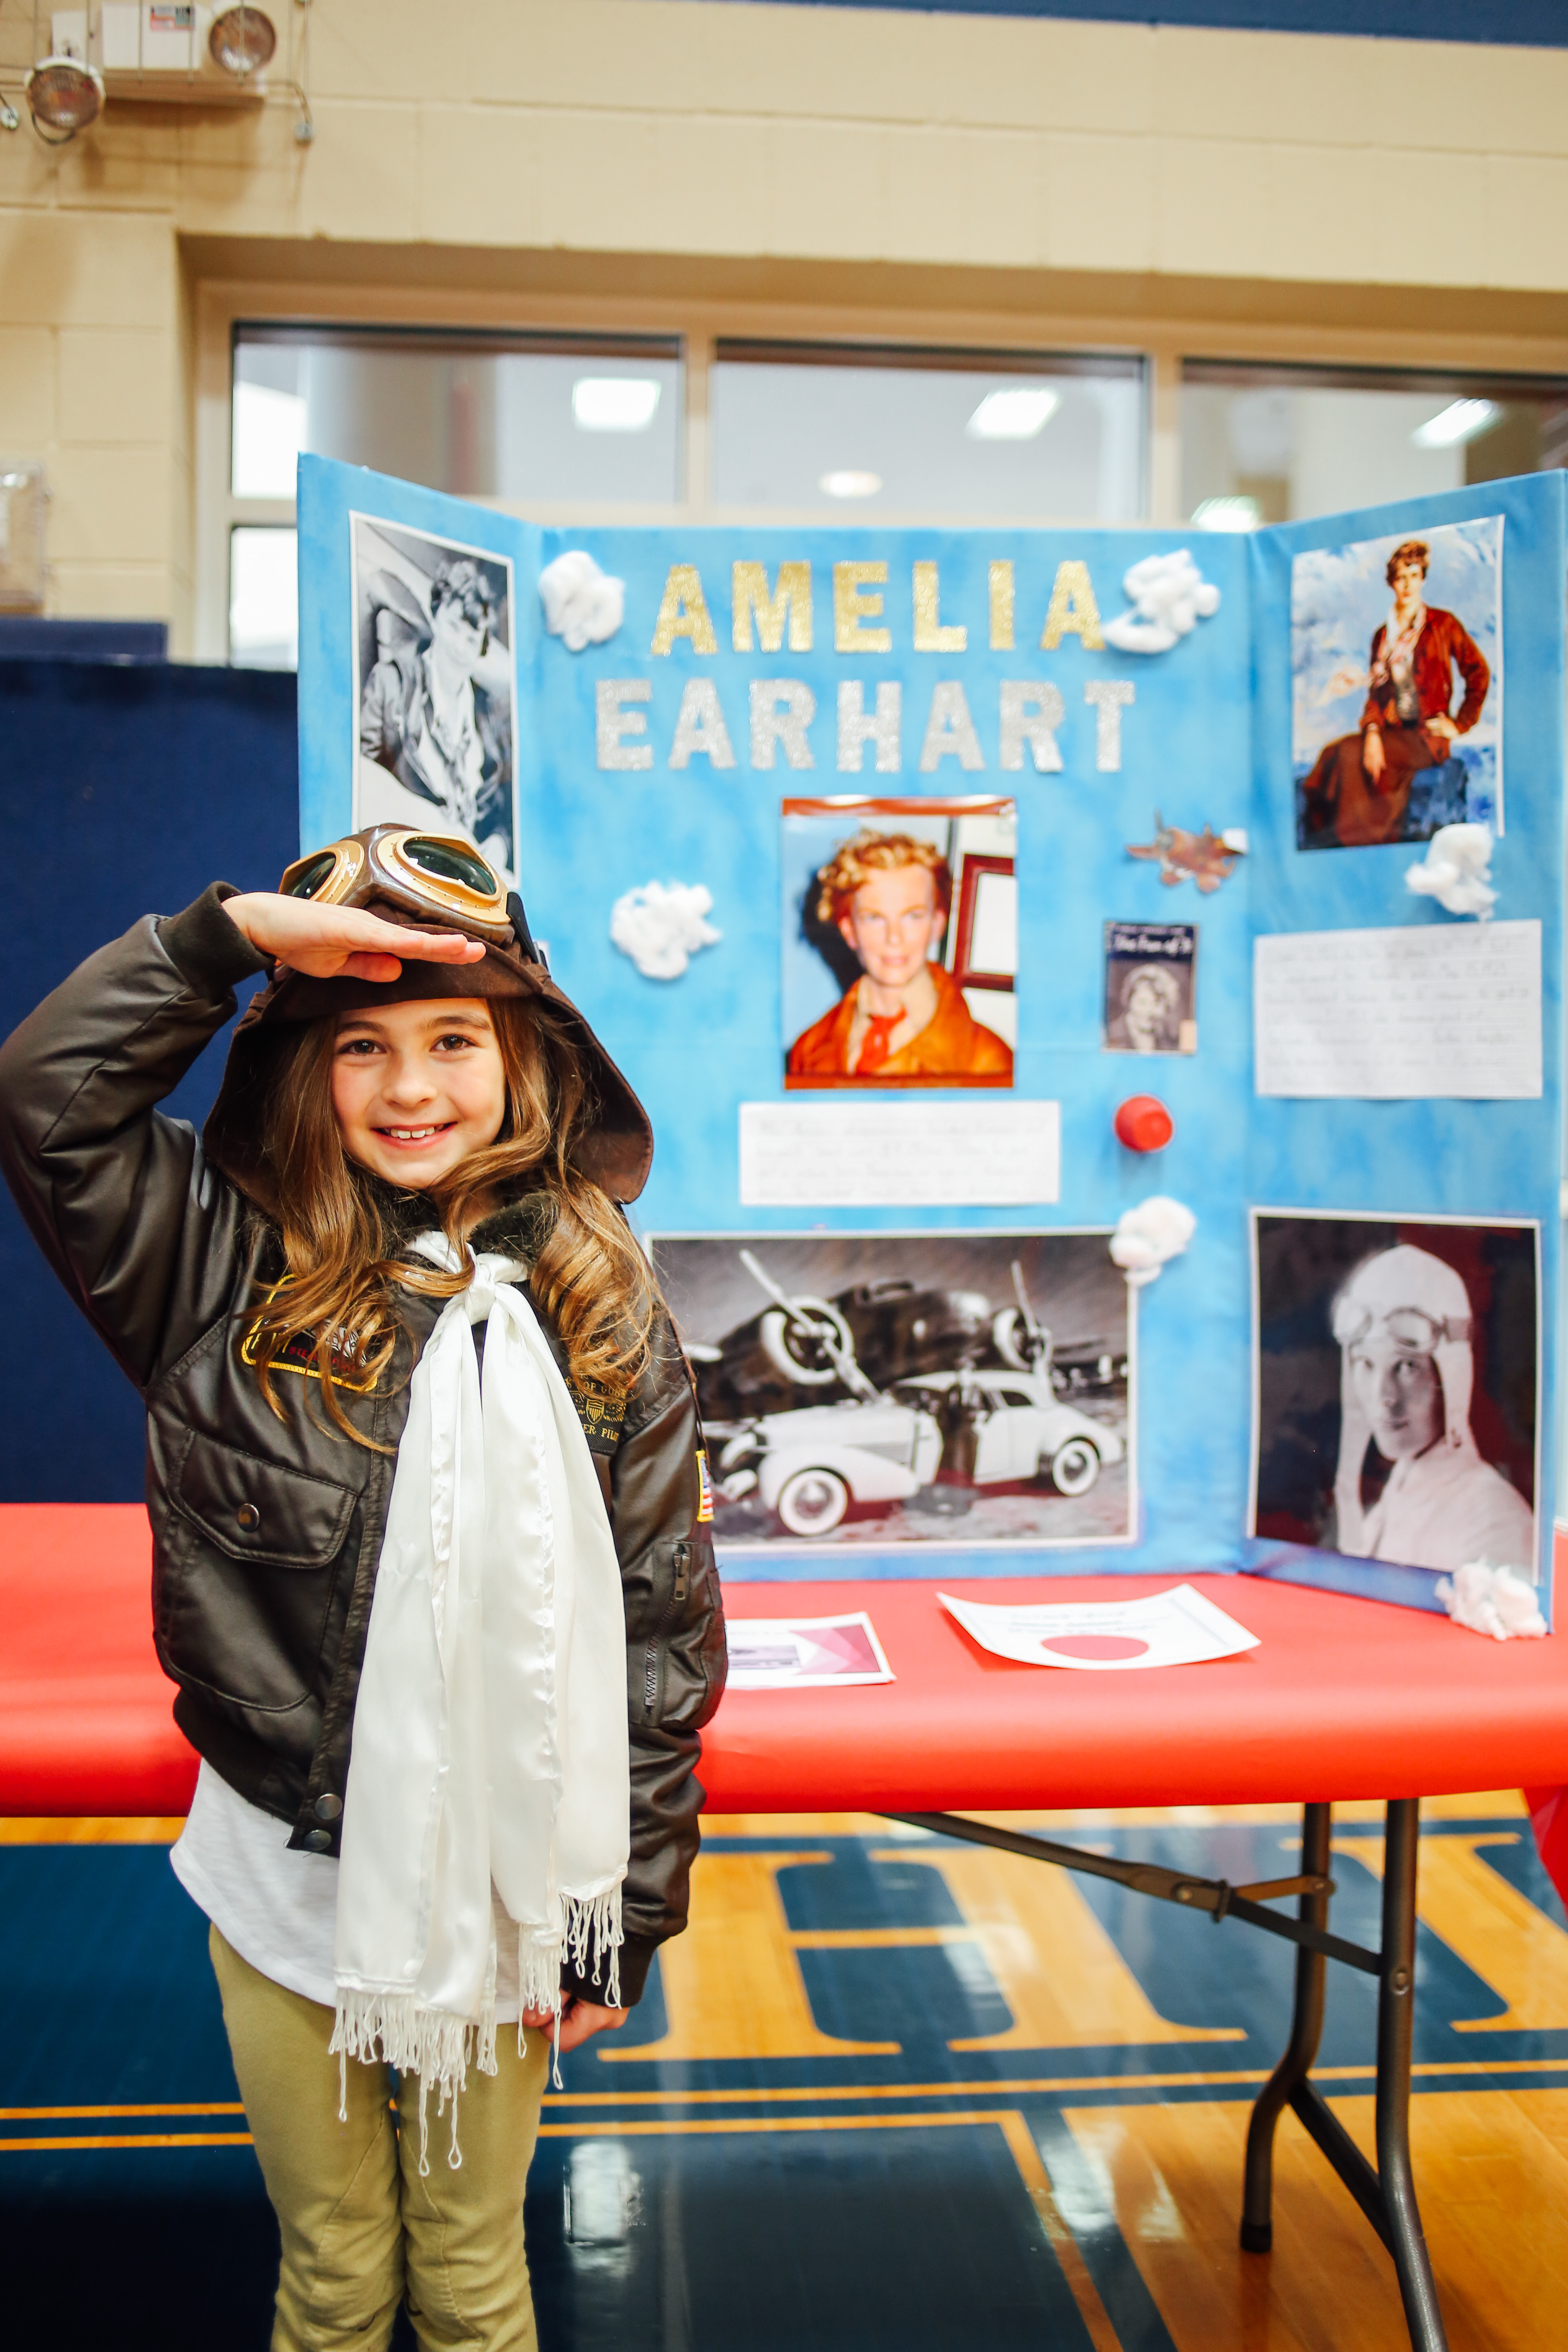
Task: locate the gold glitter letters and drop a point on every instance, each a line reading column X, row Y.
column 684, row 612
column 749, row 594
column 930, row 636
column 854, row 601
column 1073, row 612
column 1002, row 607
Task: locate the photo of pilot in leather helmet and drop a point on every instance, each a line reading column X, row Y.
column 1397, row 1389
column 433, row 689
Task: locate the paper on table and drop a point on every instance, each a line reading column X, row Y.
column 852, row 1155
column 1400, row 1015
column 804, row 1653
column 1177, row 1628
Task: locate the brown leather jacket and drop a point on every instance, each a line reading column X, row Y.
column 266, row 1532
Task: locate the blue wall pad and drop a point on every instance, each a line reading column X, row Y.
column 124, row 790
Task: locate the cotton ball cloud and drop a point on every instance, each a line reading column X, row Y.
column 1495, row 1601
column 1169, row 596
column 1146, row 1238
column 582, row 606
column 1457, row 870
column 662, row 925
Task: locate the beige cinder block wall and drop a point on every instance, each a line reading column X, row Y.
column 1226, row 190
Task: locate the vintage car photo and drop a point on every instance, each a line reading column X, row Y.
column 970, row 1387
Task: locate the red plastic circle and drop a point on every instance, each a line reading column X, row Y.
column 1143, row 1124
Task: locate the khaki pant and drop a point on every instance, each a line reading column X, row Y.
column 361, row 2228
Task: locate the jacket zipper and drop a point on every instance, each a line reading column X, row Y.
column 678, row 1592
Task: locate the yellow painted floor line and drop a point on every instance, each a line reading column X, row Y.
column 1026, row 2156
column 805, row 2094
column 128, row 2139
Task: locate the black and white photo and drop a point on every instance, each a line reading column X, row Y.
column 1150, row 977
column 435, row 691
column 969, row 1387
column 1396, row 1388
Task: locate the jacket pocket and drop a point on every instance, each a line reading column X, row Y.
column 260, row 1511
column 676, row 1673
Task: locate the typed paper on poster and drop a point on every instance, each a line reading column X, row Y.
column 1409, row 1014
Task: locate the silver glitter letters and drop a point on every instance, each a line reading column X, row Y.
column 950, row 730
column 781, row 710
column 1109, row 698
column 1032, row 710
column 699, row 726
column 613, row 722
column 856, row 730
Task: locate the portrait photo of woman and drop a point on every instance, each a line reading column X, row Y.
column 1425, row 747
column 1150, row 977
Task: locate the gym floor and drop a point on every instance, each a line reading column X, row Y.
column 887, row 2091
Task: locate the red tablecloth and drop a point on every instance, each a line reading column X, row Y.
column 1341, row 1699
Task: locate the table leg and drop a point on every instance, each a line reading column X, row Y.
column 1306, row 2031
column 1396, row 2025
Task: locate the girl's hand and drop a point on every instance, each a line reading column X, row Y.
column 340, row 942
column 580, row 2020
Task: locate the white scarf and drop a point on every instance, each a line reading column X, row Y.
column 490, row 1733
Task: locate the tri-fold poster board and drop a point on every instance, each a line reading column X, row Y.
column 947, row 895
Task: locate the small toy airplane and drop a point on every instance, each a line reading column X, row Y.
column 1209, row 857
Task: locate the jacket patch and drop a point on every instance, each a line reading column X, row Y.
column 602, row 1413
column 297, row 1353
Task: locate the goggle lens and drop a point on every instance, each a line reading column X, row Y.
column 308, row 878
column 446, row 861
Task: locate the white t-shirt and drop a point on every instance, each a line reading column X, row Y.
column 279, row 1910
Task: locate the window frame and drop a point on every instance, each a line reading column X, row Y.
column 1298, row 347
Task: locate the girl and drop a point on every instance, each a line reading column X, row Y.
column 425, row 1489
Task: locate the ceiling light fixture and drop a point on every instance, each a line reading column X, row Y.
column 1227, row 514
column 614, row 404
column 63, row 96
column 1462, row 420
column 1017, row 413
column 242, row 41
column 851, row 485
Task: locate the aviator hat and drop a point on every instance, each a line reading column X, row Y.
column 431, row 882
column 1411, row 1301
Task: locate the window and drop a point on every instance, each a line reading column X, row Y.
column 524, row 420
column 483, row 416
column 842, row 430
column 1268, row 444
column 263, row 597
column 604, row 428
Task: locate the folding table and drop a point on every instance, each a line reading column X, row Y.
column 1342, row 1698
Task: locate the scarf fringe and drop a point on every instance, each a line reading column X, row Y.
column 396, row 2030
column 594, row 1934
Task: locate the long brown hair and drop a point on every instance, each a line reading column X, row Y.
column 342, row 1275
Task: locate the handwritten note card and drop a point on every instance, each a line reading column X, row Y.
column 1400, row 1015
column 908, row 1153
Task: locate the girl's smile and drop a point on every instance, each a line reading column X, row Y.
column 416, row 1087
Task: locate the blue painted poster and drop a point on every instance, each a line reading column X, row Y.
column 877, row 857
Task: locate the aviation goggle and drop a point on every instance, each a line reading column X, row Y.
column 1413, row 1331
column 432, row 875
